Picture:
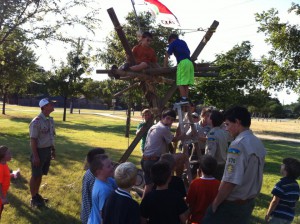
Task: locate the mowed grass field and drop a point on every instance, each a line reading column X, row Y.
column 89, row 129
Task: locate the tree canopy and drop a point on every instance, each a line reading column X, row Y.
column 47, row 19
column 282, row 64
column 17, row 65
column 68, row 80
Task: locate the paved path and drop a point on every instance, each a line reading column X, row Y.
column 262, row 136
column 277, row 138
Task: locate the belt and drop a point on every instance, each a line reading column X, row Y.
column 239, row 201
column 152, row 158
column 50, row 147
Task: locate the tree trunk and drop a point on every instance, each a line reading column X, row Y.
column 71, row 106
column 65, row 108
column 128, row 121
column 4, row 100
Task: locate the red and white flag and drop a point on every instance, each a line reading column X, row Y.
column 161, row 14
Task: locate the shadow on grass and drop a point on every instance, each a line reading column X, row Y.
column 19, row 119
column 39, row 216
column 276, row 152
column 261, row 203
column 118, row 129
column 282, row 149
column 20, row 183
column 66, row 150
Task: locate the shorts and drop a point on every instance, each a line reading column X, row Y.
column 185, row 73
column 45, row 159
column 276, row 220
column 227, row 213
column 146, row 166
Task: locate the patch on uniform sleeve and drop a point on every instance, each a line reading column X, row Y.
column 230, row 168
column 231, row 160
column 211, row 139
column 234, row 151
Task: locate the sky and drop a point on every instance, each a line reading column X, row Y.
column 236, row 24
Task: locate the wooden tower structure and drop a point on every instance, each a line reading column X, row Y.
column 147, row 79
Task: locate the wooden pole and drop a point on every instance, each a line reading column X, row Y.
column 128, row 88
column 168, row 95
column 121, row 34
column 133, row 144
column 204, row 40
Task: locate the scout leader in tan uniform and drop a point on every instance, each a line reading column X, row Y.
column 217, row 142
column 42, row 134
column 243, row 173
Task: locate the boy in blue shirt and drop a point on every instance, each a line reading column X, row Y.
column 88, row 181
column 285, row 194
column 185, row 67
column 102, row 168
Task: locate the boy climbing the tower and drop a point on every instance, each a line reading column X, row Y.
column 185, row 67
column 143, row 54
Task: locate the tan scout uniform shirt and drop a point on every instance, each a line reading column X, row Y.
column 244, row 166
column 158, row 138
column 217, row 144
column 202, row 132
column 42, row 129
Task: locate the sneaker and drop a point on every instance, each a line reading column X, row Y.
column 125, row 67
column 112, row 74
column 36, row 202
column 183, row 101
column 42, row 198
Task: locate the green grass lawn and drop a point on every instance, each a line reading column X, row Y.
column 75, row 137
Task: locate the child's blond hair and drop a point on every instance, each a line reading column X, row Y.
column 125, row 175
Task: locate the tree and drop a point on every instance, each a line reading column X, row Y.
column 282, row 65
column 68, row 80
column 46, row 19
column 274, row 108
column 297, row 109
column 17, row 65
column 105, row 90
column 238, row 77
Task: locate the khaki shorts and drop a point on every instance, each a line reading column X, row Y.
column 185, row 73
column 45, row 159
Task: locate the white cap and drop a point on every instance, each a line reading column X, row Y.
column 195, row 114
column 43, row 102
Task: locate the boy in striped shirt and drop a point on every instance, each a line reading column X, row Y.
column 285, row 194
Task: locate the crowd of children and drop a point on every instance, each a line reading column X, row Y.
column 227, row 181
column 168, row 200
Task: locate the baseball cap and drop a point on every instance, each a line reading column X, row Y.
column 44, row 102
column 195, row 114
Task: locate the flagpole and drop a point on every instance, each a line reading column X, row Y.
column 136, row 17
